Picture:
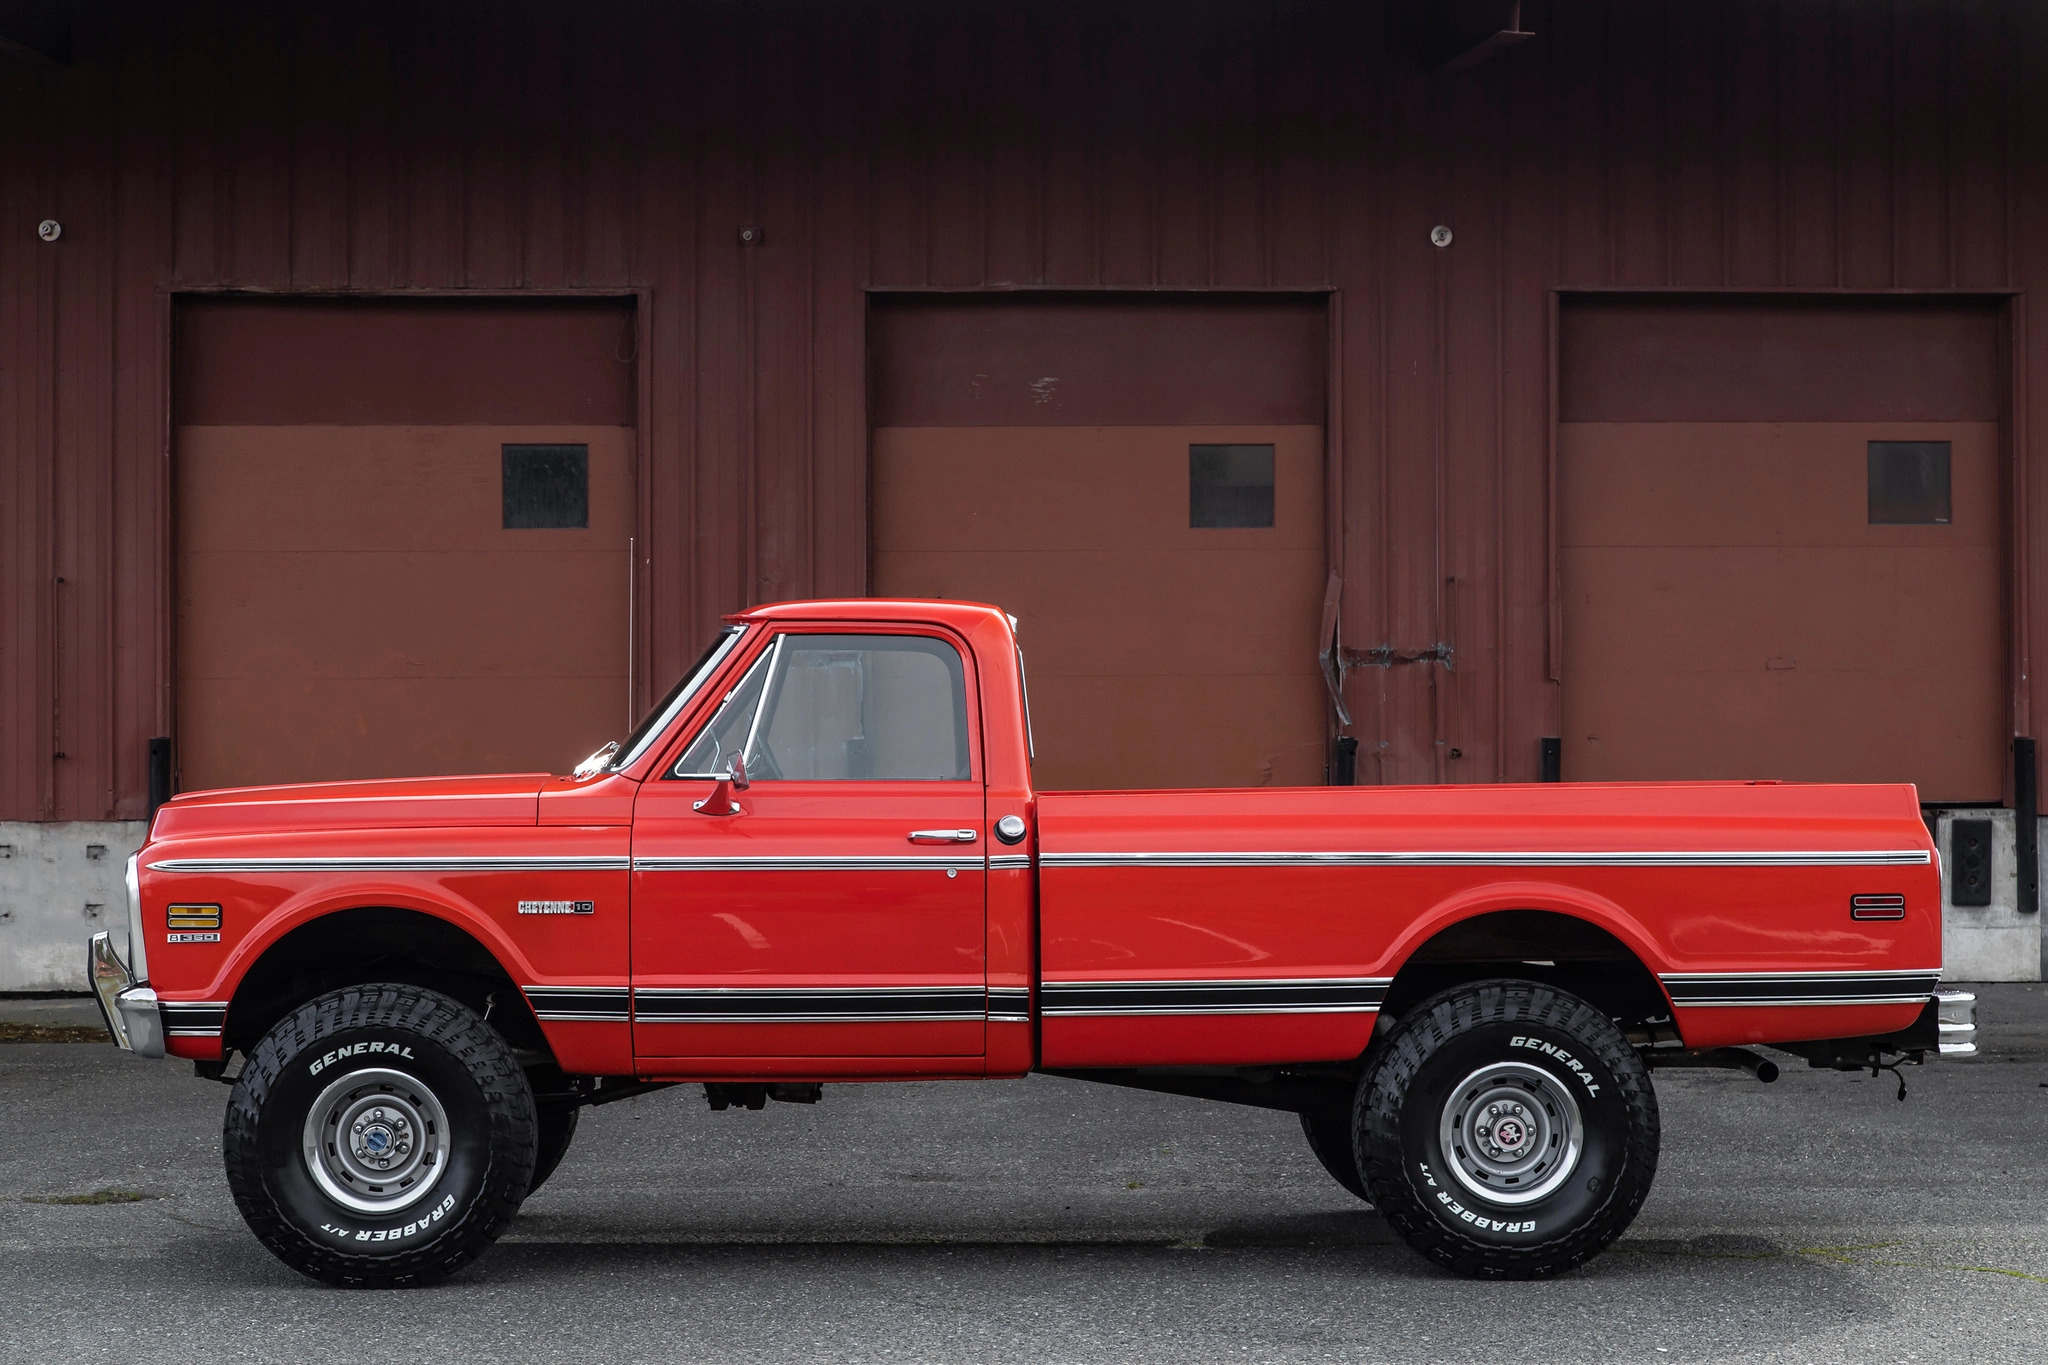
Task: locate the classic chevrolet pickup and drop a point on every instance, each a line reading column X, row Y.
column 821, row 858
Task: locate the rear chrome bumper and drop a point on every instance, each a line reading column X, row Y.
column 1956, row 1023
column 130, row 1009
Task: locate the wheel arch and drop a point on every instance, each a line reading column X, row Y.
column 1593, row 950
column 362, row 943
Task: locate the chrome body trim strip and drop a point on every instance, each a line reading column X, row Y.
column 927, row 862
column 1009, row 862
column 1887, row 986
column 1532, row 858
column 1273, row 995
column 545, row 862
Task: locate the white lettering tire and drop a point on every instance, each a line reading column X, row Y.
column 380, row 1136
column 1506, row 1130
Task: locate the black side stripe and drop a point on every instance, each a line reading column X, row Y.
column 194, row 1020
column 1212, row 997
column 776, row 1005
column 1792, row 988
column 596, row 1003
column 1009, row 1003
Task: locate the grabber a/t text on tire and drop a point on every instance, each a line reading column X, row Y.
column 1507, row 1130
column 380, row 1136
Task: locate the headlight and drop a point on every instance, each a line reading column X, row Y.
column 138, row 952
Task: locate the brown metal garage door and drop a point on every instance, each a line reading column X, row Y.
column 1141, row 485
column 1780, row 531
column 401, row 534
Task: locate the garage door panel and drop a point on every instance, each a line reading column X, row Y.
column 1729, row 483
column 1789, row 726
column 1079, row 488
column 1151, row 731
column 404, row 615
column 351, row 601
column 1193, row 612
column 363, row 488
column 1743, row 608
column 1729, row 609
column 317, row 729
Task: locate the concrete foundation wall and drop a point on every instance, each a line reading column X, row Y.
column 59, row 884
column 1995, row 942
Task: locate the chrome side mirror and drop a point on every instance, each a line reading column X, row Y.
column 720, row 801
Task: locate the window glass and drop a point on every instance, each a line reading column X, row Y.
column 844, row 708
column 1230, row 486
column 1909, row 483
column 711, row 753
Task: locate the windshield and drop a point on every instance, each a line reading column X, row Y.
column 657, row 720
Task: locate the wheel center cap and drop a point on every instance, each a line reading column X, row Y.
column 1510, row 1133
column 377, row 1141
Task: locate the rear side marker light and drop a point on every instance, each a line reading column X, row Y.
column 1877, row 907
column 193, row 917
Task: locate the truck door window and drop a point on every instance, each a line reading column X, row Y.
column 874, row 708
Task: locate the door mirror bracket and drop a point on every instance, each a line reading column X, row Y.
column 721, row 802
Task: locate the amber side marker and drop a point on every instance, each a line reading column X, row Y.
column 194, row 916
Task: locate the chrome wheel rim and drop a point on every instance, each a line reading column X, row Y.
column 1511, row 1133
column 376, row 1141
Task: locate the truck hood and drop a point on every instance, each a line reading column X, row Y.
column 408, row 803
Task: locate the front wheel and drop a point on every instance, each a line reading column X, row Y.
column 1507, row 1130
column 380, row 1136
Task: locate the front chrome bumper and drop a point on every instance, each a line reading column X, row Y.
column 1955, row 1014
column 130, row 1009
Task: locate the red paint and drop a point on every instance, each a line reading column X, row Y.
column 1412, row 862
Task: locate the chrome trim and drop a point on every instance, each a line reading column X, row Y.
column 767, row 691
column 138, row 942
column 942, row 836
column 823, row 863
column 129, row 1008
column 1009, row 862
column 584, row 1004
column 1956, row 1023
column 1714, row 990
column 808, row 1004
column 1532, row 858
column 659, row 729
column 1245, row 995
column 482, row 863
column 1009, row 1004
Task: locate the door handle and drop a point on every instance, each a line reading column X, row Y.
column 942, row 836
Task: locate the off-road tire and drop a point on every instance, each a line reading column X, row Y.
column 1429, row 1066
column 1329, row 1136
column 428, row 1051
column 557, row 1128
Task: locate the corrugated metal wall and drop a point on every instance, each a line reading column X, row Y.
column 1826, row 146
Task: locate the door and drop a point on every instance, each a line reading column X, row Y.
column 829, row 914
column 1140, row 482
column 401, row 535
column 1781, row 543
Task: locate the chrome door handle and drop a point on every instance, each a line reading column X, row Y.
column 942, row 836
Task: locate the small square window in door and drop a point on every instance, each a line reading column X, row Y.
column 1230, row 486
column 1909, row 483
column 546, row 487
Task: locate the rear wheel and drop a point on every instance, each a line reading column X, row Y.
column 1507, row 1130
column 380, row 1136
column 1329, row 1137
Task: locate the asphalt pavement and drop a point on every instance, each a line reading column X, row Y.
column 1813, row 1220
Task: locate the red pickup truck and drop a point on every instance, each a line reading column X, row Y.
column 820, row 858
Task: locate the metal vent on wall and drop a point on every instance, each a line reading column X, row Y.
column 547, row 487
